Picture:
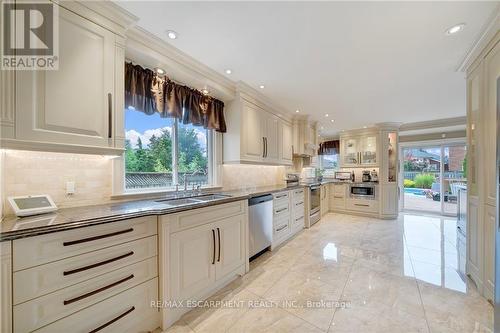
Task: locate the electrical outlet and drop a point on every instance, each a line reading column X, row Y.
column 70, row 188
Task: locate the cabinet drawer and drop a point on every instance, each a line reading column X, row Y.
column 47, row 309
column 281, row 196
column 299, row 192
column 281, row 227
column 41, row 280
column 298, row 210
column 369, row 206
column 129, row 311
column 33, row 251
column 282, row 208
column 200, row 216
column 298, row 221
column 339, row 190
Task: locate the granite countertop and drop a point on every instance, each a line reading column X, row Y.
column 70, row 218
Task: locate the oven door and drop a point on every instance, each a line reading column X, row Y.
column 362, row 191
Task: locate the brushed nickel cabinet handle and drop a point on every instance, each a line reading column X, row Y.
column 362, row 205
column 281, row 210
column 338, row 196
column 281, row 228
column 265, row 139
column 218, row 237
column 299, row 203
column 110, row 116
column 263, row 147
column 300, row 218
column 213, row 238
column 281, row 196
column 114, row 284
column 104, row 262
column 112, row 320
column 93, row 238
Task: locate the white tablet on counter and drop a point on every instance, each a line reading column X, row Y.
column 32, row 204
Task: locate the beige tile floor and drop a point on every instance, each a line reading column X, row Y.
column 372, row 276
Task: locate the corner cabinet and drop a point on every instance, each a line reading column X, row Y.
column 255, row 134
column 76, row 107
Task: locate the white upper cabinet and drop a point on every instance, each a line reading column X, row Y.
column 360, row 148
column 305, row 140
column 492, row 70
column 350, row 153
column 368, row 150
column 255, row 135
column 75, row 106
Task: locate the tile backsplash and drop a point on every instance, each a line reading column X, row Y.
column 29, row 173
column 236, row 176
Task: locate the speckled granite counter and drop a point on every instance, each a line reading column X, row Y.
column 70, row 218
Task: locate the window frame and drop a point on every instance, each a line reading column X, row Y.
column 214, row 156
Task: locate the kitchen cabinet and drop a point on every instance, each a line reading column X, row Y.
column 324, row 198
column 255, row 135
column 305, row 138
column 337, row 197
column 489, row 252
column 286, row 146
column 201, row 250
column 360, row 150
column 492, row 84
column 74, row 108
column 298, row 210
column 475, row 244
column 6, row 287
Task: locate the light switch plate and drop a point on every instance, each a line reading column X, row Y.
column 70, row 188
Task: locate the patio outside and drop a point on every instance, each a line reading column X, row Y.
column 422, row 183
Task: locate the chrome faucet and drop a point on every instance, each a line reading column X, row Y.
column 186, row 179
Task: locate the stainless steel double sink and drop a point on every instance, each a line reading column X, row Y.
column 176, row 202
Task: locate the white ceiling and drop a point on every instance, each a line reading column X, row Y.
column 360, row 62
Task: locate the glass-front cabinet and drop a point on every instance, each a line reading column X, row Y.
column 350, row 153
column 368, row 150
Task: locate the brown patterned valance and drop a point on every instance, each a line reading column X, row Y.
column 147, row 92
column 329, row 147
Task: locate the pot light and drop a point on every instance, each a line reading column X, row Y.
column 228, row 71
column 454, row 29
column 160, row 71
column 297, row 111
column 326, row 114
column 262, row 86
column 205, row 91
column 172, row 34
column 365, row 126
column 332, row 120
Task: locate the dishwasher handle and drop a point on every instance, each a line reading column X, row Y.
column 260, row 199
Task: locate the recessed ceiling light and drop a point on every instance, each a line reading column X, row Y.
column 160, row 71
column 172, row 34
column 297, row 111
column 326, row 114
column 332, row 120
column 322, row 127
column 262, row 86
column 365, row 126
column 228, row 71
column 205, row 91
column 454, row 29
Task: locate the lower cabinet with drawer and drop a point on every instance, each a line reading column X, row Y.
column 288, row 217
column 362, row 206
column 201, row 250
column 90, row 279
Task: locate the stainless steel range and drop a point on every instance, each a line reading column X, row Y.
column 314, row 203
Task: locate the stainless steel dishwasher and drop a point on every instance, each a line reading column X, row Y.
column 261, row 223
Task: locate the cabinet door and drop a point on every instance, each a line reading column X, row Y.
column 489, row 251
column 6, row 287
column 474, row 129
column 192, row 261
column 492, row 70
column 349, row 151
column 271, row 135
column 253, row 129
column 231, row 245
column 474, row 242
column 368, row 150
column 389, row 199
column 286, row 143
column 71, row 105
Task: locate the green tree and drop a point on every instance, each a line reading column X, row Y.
column 130, row 158
column 192, row 156
column 160, row 150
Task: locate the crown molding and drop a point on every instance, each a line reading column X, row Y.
column 439, row 123
column 245, row 90
column 488, row 32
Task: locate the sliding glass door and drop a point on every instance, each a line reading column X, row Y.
column 434, row 177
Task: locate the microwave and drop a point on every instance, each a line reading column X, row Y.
column 362, row 191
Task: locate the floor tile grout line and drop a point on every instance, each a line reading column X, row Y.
column 417, row 284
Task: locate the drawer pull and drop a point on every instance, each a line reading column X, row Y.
column 281, row 228
column 338, row 196
column 300, row 218
column 281, row 210
column 113, row 320
column 213, row 239
column 281, row 196
column 299, row 203
column 84, row 268
column 218, row 237
column 90, row 239
column 79, row 298
column 362, row 205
